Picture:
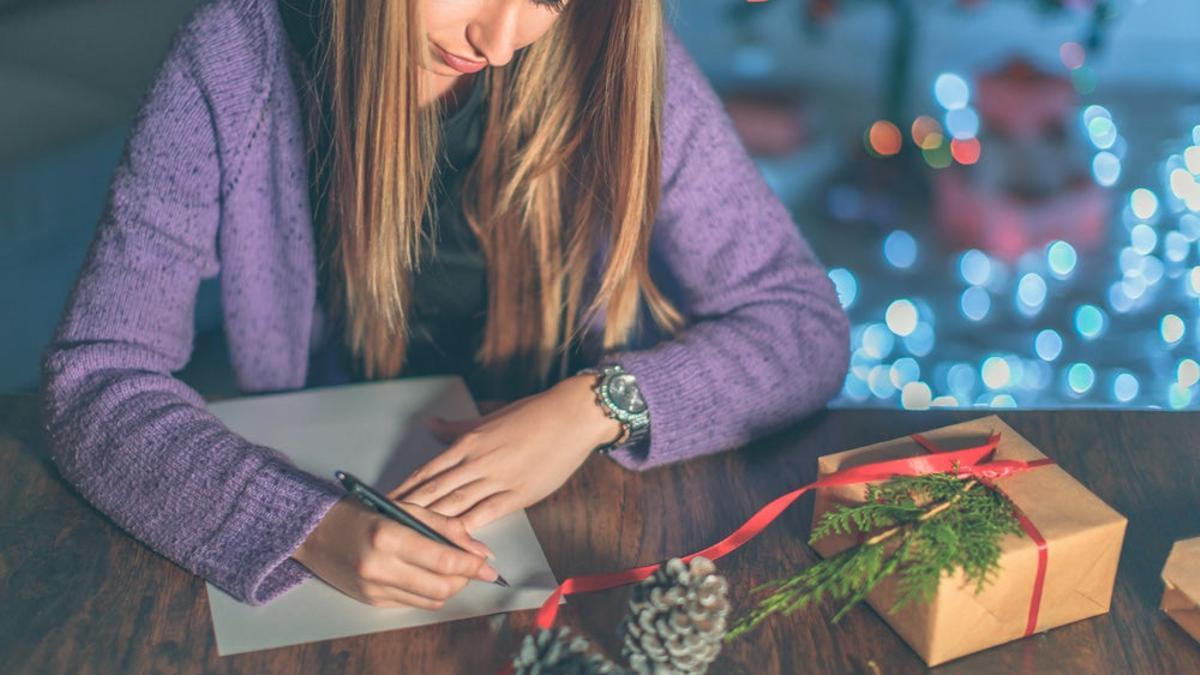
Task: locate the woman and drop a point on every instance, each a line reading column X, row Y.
column 588, row 205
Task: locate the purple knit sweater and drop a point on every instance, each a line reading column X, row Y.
column 213, row 181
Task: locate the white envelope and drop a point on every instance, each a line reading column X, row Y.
column 373, row 431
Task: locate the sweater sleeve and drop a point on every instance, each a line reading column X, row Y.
column 767, row 341
column 136, row 442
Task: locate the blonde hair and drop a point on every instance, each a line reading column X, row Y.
column 569, row 162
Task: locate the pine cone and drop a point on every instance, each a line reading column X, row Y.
column 556, row 653
column 676, row 619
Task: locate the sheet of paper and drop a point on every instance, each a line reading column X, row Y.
column 373, row 431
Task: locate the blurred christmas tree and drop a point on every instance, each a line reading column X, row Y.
column 814, row 14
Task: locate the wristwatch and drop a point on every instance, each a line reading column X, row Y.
column 618, row 394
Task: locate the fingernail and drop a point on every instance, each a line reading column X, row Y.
column 489, row 573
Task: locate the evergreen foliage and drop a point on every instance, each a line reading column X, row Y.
column 917, row 526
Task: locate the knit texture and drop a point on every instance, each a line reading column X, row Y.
column 213, row 181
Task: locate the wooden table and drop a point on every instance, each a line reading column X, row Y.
column 77, row 595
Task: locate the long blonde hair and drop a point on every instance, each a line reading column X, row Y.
column 569, row 165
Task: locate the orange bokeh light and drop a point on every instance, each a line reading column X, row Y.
column 965, row 151
column 885, row 138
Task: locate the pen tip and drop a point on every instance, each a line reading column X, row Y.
column 500, row 581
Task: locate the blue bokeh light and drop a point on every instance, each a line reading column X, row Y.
column 1080, row 378
column 845, row 284
column 1106, row 168
column 963, row 123
column 951, row 91
column 1061, row 258
column 900, row 249
column 1048, row 344
column 1089, row 321
column 1125, row 387
column 975, row 267
column 975, row 303
column 1031, row 291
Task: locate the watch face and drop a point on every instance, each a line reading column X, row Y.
column 623, row 391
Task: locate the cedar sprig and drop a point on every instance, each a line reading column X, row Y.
column 919, row 527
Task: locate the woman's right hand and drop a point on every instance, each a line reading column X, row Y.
column 378, row 561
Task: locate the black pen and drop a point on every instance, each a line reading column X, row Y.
column 387, row 507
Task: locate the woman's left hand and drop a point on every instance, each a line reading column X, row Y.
column 512, row 457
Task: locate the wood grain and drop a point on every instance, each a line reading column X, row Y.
column 78, row 595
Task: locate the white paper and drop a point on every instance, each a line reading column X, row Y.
column 373, row 431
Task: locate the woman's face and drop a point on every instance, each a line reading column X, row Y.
column 482, row 32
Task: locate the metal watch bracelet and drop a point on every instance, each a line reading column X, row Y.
column 633, row 417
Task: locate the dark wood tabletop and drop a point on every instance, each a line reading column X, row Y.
column 78, row 595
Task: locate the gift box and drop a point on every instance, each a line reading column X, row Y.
column 1181, row 578
column 1061, row 570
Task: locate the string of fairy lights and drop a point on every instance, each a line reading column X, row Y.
column 1053, row 328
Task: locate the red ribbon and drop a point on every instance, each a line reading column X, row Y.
column 970, row 462
column 1039, row 578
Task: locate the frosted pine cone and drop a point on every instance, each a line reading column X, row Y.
column 676, row 619
column 554, row 652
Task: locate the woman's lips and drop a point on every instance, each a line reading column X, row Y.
column 458, row 63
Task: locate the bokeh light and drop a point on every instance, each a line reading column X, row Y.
column 951, row 91
column 926, row 132
column 975, row 267
column 878, row 341
column 1080, row 378
column 901, row 317
column 965, row 151
column 1071, row 54
column 938, row 157
column 905, row 370
column 975, row 303
column 1106, row 168
column 1143, row 238
column 1048, row 344
column 884, row 138
column 900, row 249
column 1171, row 327
column 962, row 123
column 1125, row 387
column 916, row 396
column 1031, row 291
column 1187, row 373
column 995, row 372
column 845, row 284
column 1061, row 258
column 1144, row 203
column 1089, row 321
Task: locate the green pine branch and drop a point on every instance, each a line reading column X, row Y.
column 920, row 527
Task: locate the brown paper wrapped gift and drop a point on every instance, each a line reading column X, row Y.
column 1181, row 576
column 1083, row 536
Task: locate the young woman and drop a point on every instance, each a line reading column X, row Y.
column 510, row 190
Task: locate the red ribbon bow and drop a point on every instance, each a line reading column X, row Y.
column 967, row 462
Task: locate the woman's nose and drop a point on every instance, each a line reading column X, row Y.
column 494, row 32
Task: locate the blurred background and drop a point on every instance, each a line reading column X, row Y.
column 1006, row 192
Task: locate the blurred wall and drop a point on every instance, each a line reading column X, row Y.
column 72, row 73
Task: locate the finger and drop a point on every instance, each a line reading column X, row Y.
column 442, row 484
column 463, row 498
column 417, row 580
column 447, row 460
column 493, row 508
column 442, row 560
column 392, row 597
column 448, row 431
